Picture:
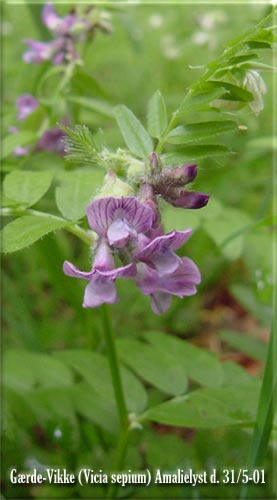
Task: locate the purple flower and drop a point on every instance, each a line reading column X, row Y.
column 179, row 176
column 59, row 25
column 101, row 288
column 169, row 183
column 25, row 105
column 52, row 140
column 180, row 198
column 119, row 219
column 21, row 151
column 159, row 252
column 128, row 228
column 41, row 51
column 181, row 283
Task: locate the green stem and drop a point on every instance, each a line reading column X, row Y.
column 265, row 413
column 120, row 453
column 170, row 126
column 114, row 367
column 70, row 226
column 119, row 459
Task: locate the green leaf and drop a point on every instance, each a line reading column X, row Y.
column 247, row 297
column 220, row 228
column 76, row 191
column 97, row 105
column 245, row 343
column 200, row 365
column 195, row 101
column 234, row 92
column 234, row 374
column 195, row 152
column 198, row 131
column 24, row 369
column 84, row 84
column 209, row 408
column 26, row 187
column 25, row 230
column 11, row 141
column 156, row 115
column 154, row 365
column 95, row 370
column 134, row 134
column 96, row 407
column 17, row 369
column 34, row 121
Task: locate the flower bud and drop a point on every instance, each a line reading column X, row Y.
column 180, row 176
column 113, row 186
column 178, row 197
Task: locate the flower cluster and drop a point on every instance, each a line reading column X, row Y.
column 128, row 229
column 66, row 32
column 51, row 139
column 170, row 182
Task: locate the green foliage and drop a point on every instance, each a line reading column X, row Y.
column 76, row 191
column 57, row 387
column 246, row 344
column 198, row 131
column 196, row 152
column 201, row 366
column 158, row 367
column 265, row 412
column 28, row 229
column 26, row 188
column 94, row 369
column 210, row 408
column 134, row 133
column 23, row 138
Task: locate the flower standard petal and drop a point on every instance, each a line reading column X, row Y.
column 50, row 17
column 104, row 211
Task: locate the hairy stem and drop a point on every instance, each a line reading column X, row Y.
column 70, row 226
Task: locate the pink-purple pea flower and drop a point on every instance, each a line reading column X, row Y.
column 62, row 48
column 128, row 228
column 51, row 140
column 101, row 288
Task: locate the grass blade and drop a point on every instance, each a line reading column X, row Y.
column 265, row 413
